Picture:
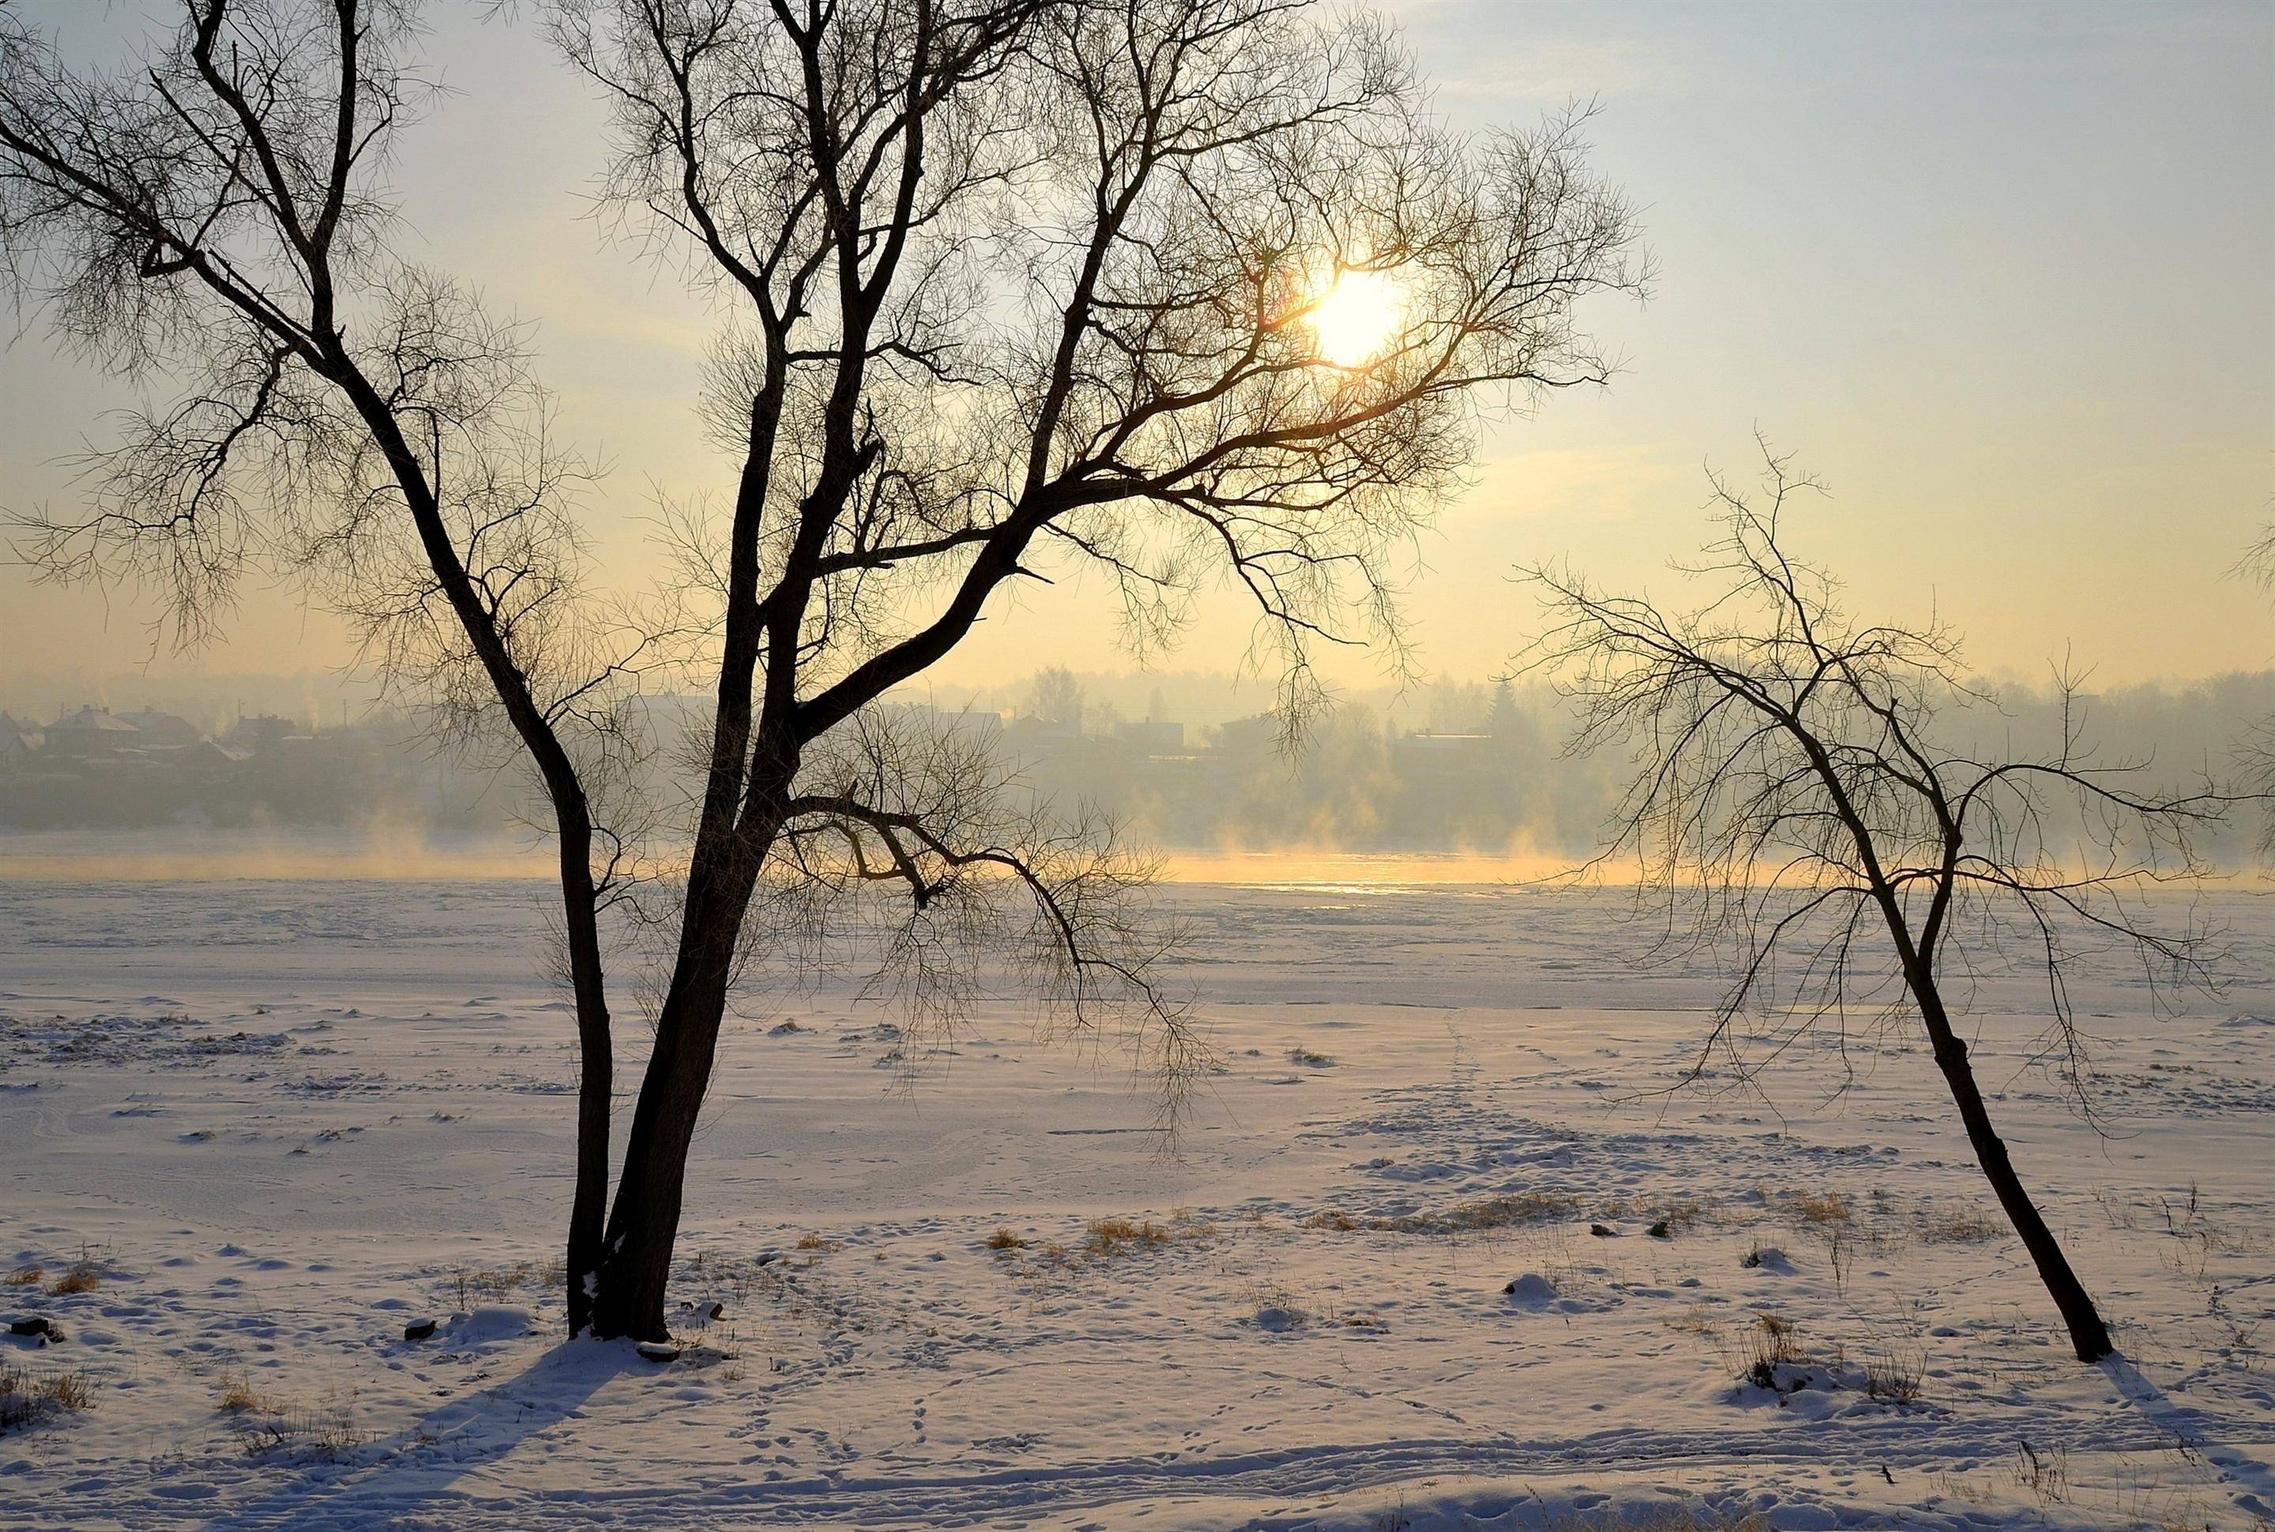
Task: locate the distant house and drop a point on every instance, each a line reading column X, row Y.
column 1029, row 732
column 163, row 731
column 262, row 733
column 19, row 742
column 1256, row 735
column 210, row 757
column 90, row 734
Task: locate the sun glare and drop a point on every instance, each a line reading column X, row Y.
column 1357, row 317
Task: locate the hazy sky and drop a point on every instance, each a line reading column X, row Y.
column 2002, row 275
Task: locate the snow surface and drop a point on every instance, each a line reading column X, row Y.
column 280, row 1120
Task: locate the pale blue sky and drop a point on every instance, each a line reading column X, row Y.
column 2000, row 274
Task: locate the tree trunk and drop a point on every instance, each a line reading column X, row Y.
column 644, row 1223
column 2089, row 1337
column 588, row 1207
column 572, row 818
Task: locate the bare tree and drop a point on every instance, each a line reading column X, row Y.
column 1796, row 805
column 210, row 218
column 1054, row 699
column 1009, row 287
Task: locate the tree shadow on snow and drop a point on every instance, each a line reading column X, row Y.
column 383, row 1481
column 2202, row 1432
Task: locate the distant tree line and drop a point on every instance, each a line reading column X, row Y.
column 94, row 769
column 1448, row 766
column 1481, row 765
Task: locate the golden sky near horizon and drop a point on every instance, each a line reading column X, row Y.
column 1998, row 275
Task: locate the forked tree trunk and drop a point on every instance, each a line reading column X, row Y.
column 2089, row 1337
column 643, row 1226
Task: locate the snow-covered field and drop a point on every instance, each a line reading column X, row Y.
column 274, row 1121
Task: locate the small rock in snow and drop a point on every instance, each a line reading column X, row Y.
column 659, row 1350
column 1276, row 1319
column 418, row 1329
column 1660, row 1230
column 1602, row 1231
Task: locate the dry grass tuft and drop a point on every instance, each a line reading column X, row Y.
column 83, row 1277
column 1004, row 1239
column 1771, row 1343
column 26, row 1398
column 1895, row 1378
column 1507, row 1211
column 1968, row 1226
column 495, row 1284
column 69, row 1391
column 1817, row 1209
column 326, row 1431
column 1680, row 1216
column 27, row 1276
column 816, row 1242
column 1111, row 1236
column 239, row 1397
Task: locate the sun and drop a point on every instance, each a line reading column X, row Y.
column 1357, row 316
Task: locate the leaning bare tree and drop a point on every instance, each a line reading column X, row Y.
column 1799, row 802
column 1008, row 289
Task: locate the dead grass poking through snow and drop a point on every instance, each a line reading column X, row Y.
column 1895, row 1377
column 1815, row 1210
column 1664, row 1218
column 326, row 1430
column 1771, row 1343
column 1111, row 1236
column 1005, row 1239
column 1108, row 1237
column 468, row 1285
column 27, row 1276
column 1514, row 1210
column 816, row 1243
column 1509, row 1211
column 28, row 1398
column 83, row 1277
column 239, row 1397
column 1966, row 1226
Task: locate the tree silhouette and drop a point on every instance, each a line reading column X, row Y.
column 1792, row 802
column 1006, row 286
